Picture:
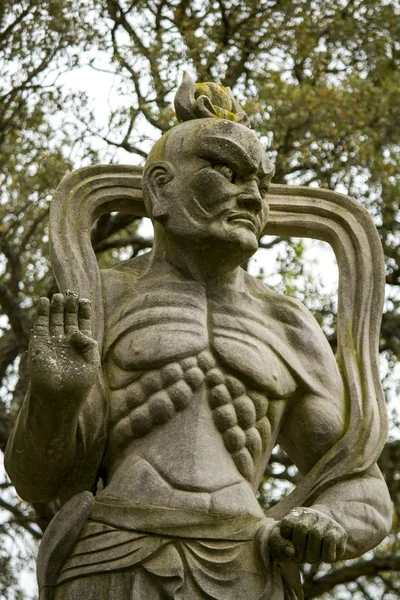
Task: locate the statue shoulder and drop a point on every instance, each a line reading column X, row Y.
column 300, row 334
column 116, row 279
column 284, row 309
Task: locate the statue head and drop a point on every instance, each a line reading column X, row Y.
column 207, row 178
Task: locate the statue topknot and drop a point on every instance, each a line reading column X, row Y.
column 204, row 100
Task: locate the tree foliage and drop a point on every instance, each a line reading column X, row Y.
column 321, row 81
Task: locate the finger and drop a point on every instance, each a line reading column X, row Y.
column 57, row 315
column 41, row 324
column 87, row 346
column 85, row 312
column 329, row 550
column 280, row 548
column 341, row 547
column 71, row 312
column 80, row 341
column 314, row 546
column 286, row 528
column 300, row 540
column 329, row 546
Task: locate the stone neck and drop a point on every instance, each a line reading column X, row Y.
column 206, row 262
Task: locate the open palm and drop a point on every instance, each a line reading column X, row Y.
column 63, row 356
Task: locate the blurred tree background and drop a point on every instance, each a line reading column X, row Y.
column 321, row 81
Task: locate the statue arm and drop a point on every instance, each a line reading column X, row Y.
column 360, row 504
column 51, row 457
column 42, row 447
column 56, row 435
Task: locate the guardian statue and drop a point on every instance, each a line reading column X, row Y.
column 160, row 387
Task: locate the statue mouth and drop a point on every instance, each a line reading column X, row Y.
column 244, row 218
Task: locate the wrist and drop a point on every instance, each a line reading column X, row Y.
column 53, row 414
column 325, row 511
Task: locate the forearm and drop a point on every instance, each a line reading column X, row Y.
column 64, row 364
column 362, row 506
column 42, row 446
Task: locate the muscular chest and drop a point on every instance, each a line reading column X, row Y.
column 161, row 326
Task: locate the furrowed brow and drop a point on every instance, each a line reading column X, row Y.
column 223, row 149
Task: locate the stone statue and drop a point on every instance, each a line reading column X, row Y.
column 154, row 407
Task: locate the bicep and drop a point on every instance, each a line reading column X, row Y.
column 312, row 424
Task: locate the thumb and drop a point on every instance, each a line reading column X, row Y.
column 280, row 548
column 86, row 345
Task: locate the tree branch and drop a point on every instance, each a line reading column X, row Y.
column 8, row 30
column 272, row 243
column 136, row 242
column 107, row 225
column 13, row 264
column 33, row 228
column 343, row 575
column 17, row 318
column 21, row 519
column 41, row 67
column 119, row 18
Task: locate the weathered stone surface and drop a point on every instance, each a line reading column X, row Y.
column 167, row 399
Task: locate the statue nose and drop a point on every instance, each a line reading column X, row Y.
column 250, row 202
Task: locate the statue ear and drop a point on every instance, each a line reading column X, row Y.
column 155, row 178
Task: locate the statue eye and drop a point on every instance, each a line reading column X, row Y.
column 226, row 171
column 264, row 192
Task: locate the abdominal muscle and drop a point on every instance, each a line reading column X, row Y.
column 182, row 464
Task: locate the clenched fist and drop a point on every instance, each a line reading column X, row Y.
column 304, row 535
column 63, row 357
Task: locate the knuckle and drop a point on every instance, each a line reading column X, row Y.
column 309, row 520
column 315, row 535
column 333, row 537
column 286, row 531
column 330, row 537
column 301, row 528
column 288, row 522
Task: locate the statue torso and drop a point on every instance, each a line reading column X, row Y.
column 197, row 392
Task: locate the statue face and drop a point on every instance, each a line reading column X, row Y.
column 220, row 180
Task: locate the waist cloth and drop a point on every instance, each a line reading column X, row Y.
column 173, row 553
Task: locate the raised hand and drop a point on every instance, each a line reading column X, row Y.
column 63, row 357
